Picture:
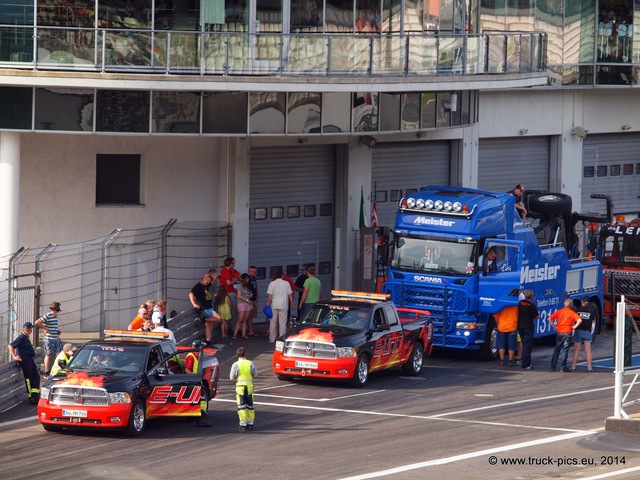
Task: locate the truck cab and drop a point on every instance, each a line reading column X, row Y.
column 465, row 254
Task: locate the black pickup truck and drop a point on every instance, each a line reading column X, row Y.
column 352, row 334
column 126, row 378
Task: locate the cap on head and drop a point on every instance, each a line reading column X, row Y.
column 68, row 347
column 27, row 325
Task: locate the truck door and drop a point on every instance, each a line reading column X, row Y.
column 173, row 393
column 499, row 287
column 386, row 336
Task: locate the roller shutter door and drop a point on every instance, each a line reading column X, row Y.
column 505, row 162
column 293, row 189
column 398, row 167
column 611, row 166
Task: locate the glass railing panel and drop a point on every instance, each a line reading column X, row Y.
column 476, row 55
column 389, row 55
column 308, row 54
column 184, row 48
column 59, row 46
column 496, row 52
column 266, row 51
column 423, row 55
column 16, row 44
column 450, row 54
column 349, row 54
column 128, row 49
column 239, row 54
column 215, row 52
column 514, row 54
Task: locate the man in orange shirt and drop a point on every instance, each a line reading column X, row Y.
column 565, row 321
column 507, row 323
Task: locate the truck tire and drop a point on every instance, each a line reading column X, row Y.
column 488, row 350
column 51, row 428
column 550, row 203
column 361, row 375
column 137, row 419
column 413, row 365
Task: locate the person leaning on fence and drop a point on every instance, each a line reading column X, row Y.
column 243, row 372
column 22, row 351
column 51, row 341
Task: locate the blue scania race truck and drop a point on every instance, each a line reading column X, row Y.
column 436, row 261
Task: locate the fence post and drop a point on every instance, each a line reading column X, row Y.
column 619, row 358
column 36, row 287
column 12, row 329
column 103, row 277
column 163, row 256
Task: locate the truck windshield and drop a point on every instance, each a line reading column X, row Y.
column 346, row 316
column 620, row 250
column 434, row 255
column 108, row 357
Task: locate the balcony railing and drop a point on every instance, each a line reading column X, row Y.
column 241, row 53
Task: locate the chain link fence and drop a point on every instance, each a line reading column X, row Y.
column 100, row 283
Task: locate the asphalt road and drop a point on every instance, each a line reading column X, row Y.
column 461, row 418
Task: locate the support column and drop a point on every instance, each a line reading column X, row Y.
column 9, row 192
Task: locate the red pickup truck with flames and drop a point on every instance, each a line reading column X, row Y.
column 123, row 380
column 351, row 335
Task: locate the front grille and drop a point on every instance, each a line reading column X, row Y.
column 303, row 348
column 76, row 395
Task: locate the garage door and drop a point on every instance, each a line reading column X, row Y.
column 505, row 162
column 292, row 205
column 398, row 168
column 611, row 166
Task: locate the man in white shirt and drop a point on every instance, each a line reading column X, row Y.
column 279, row 298
column 157, row 317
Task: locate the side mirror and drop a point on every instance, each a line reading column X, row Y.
column 162, row 371
column 382, row 328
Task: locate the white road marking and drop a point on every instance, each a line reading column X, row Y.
column 318, row 399
column 466, row 456
column 613, row 474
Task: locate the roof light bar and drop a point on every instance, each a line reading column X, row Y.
column 110, row 332
column 366, row 295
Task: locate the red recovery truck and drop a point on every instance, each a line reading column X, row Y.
column 618, row 248
column 351, row 335
column 126, row 378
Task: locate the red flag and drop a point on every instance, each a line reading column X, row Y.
column 374, row 213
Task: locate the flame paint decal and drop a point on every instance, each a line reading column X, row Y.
column 83, row 380
column 314, row 334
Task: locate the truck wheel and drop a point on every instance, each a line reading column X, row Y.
column 361, row 375
column 488, row 350
column 550, row 203
column 51, row 428
column 413, row 364
column 137, row 419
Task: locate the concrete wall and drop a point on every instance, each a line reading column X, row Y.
column 183, row 178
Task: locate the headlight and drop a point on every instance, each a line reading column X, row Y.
column 420, row 203
column 346, row 352
column 466, row 325
column 457, row 206
column 411, row 202
column 428, row 204
column 44, row 392
column 119, row 397
column 447, row 206
column 279, row 346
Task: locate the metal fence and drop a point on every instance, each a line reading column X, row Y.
column 100, row 283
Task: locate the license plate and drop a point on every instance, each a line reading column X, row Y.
column 74, row 413
column 306, row 364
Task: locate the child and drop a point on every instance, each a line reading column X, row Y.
column 223, row 307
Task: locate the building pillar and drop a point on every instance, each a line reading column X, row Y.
column 9, row 192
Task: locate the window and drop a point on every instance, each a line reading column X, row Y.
column 118, row 179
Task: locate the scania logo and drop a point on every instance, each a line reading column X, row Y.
column 424, row 278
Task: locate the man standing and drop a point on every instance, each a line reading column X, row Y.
column 311, row 291
column 23, row 352
column 279, row 298
column 65, row 356
column 252, row 271
column 228, row 279
column 243, row 372
column 159, row 314
column 565, row 321
column 527, row 313
column 299, row 287
column 51, row 342
column 200, row 298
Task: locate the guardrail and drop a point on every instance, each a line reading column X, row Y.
column 243, row 53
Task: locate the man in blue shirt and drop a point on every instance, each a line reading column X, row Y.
column 23, row 352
